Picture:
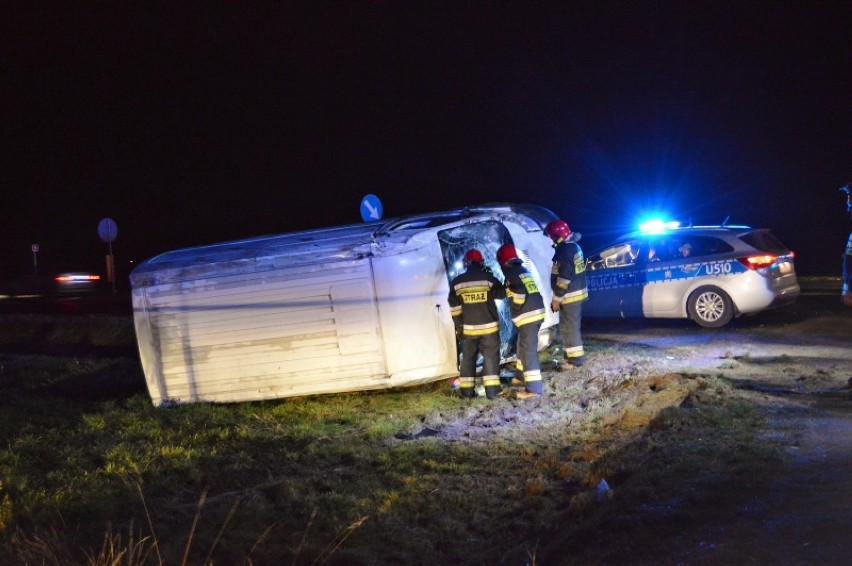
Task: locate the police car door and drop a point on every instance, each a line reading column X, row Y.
column 682, row 260
column 615, row 282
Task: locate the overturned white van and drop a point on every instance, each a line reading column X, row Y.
column 331, row 310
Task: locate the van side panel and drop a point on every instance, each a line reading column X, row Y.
column 285, row 332
column 417, row 327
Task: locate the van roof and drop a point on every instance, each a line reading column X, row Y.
column 336, row 243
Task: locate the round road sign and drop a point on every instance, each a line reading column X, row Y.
column 107, row 230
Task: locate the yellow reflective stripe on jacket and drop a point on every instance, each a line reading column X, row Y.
column 519, row 298
column 466, row 286
column 473, row 291
column 574, row 296
column 528, row 317
column 480, row 329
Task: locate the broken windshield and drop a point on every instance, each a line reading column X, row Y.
column 486, row 237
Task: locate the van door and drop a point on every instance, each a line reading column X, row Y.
column 416, row 325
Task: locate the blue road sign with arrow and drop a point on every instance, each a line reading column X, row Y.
column 371, row 208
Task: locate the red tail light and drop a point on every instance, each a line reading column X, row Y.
column 757, row 261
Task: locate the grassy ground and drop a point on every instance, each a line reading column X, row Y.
column 91, row 472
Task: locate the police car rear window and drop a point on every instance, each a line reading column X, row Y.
column 764, row 241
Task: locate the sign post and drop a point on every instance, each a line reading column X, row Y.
column 107, row 231
column 35, row 248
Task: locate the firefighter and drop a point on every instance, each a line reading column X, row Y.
column 846, row 290
column 568, row 283
column 527, row 308
column 477, row 322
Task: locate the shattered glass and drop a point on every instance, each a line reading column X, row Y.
column 486, row 237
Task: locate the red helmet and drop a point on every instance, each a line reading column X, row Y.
column 557, row 230
column 506, row 253
column 473, row 255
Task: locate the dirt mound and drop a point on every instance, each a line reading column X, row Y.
column 792, row 507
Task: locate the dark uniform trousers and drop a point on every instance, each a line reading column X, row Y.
column 489, row 346
column 528, row 356
column 568, row 282
column 570, row 315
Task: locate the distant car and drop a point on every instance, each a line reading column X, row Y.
column 52, row 283
column 709, row 274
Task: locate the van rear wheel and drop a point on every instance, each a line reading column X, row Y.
column 710, row 307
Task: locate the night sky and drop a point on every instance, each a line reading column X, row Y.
column 192, row 123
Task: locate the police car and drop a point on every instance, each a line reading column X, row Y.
column 709, row 274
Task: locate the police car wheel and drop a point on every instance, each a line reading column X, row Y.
column 710, row 307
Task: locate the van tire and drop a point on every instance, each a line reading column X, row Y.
column 710, row 307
